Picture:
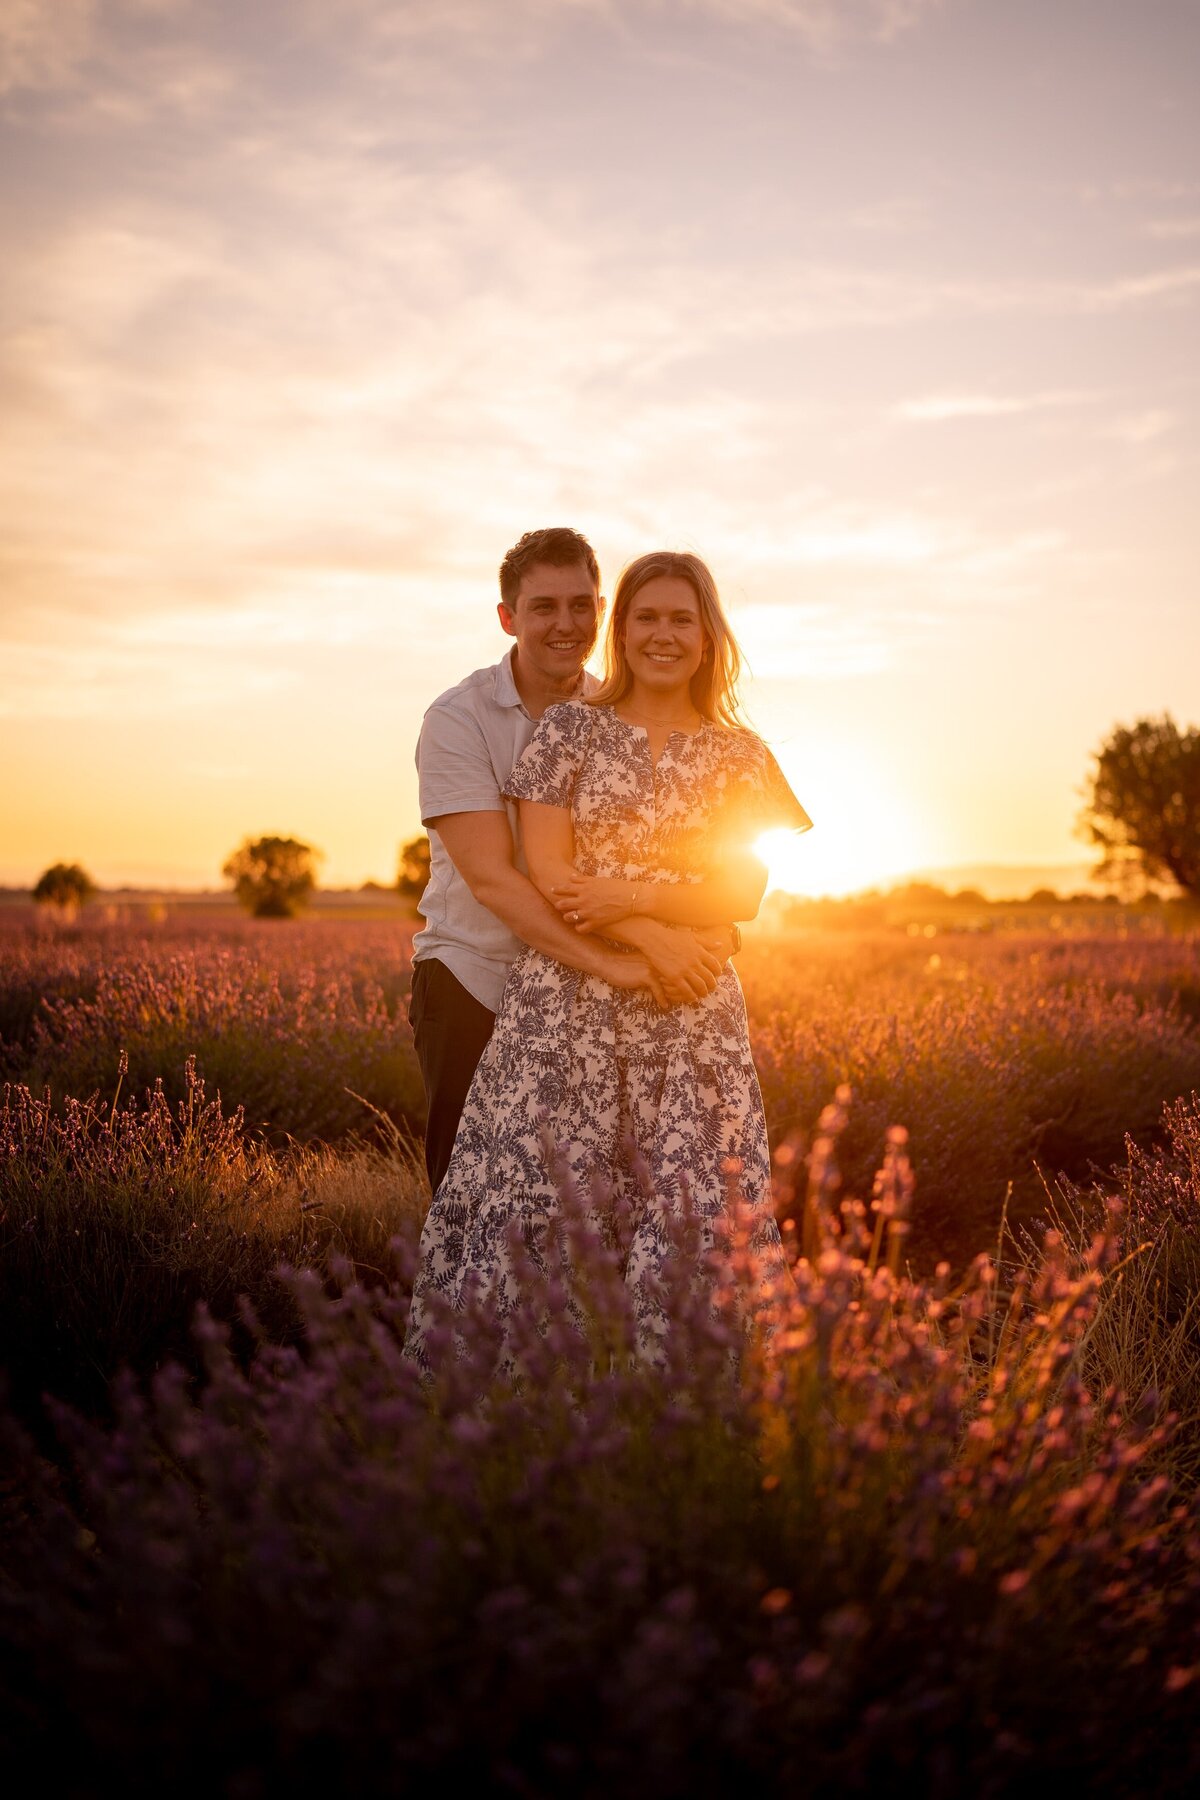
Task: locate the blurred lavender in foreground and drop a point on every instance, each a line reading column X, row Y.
column 913, row 1534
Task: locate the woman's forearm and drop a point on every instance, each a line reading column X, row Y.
column 713, row 901
column 595, row 902
column 592, row 902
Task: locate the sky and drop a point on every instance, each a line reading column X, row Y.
column 886, row 308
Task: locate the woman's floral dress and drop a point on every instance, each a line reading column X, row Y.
column 655, row 1113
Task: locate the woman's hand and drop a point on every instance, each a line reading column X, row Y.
column 590, row 902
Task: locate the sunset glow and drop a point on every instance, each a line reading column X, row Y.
column 308, row 314
column 836, row 866
column 863, row 834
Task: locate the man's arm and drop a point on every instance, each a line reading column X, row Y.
column 480, row 846
column 688, row 967
column 461, row 801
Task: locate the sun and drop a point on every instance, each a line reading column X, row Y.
column 862, row 835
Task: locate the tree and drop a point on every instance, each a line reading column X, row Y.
column 1144, row 806
column 272, row 876
column 413, row 876
column 66, row 886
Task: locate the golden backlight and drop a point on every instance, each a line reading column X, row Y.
column 862, row 835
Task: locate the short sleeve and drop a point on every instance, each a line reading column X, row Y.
column 777, row 806
column 454, row 765
column 547, row 769
column 757, row 795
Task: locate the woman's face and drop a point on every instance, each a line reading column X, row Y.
column 664, row 638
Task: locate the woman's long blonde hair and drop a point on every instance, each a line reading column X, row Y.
column 714, row 685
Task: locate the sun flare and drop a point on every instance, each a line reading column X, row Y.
column 862, row 835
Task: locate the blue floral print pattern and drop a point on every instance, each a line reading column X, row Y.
column 654, row 1114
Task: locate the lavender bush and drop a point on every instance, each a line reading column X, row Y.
column 912, row 1539
column 118, row 1218
column 1004, row 1053
column 1145, row 1337
column 298, row 1031
column 1006, row 1056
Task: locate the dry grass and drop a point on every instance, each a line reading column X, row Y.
column 117, row 1221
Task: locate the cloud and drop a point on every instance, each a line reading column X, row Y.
column 899, row 217
column 1142, row 427
column 821, row 24
column 876, row 623
column 45, row 44
column 294, row 375
column 783, row 643
column 43, row 41
column 935, row 408
column 127, row 63
column 825, row 25
column 326, row 615
column 1173, row 229
column 833, row 296
column 830, row 535
column 73, row 676
column 49, row 44
column 217, row 411
column 1155, row 284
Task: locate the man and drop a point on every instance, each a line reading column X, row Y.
column 480, row 907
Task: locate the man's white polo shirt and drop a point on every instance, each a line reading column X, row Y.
column 470, row 738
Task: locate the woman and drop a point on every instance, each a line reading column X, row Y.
column 644, row 799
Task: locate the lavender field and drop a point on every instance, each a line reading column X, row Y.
column 947, row 1526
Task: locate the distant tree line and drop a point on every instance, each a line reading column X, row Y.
column 1142, row 810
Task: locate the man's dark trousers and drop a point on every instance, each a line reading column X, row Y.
column 450, row 1028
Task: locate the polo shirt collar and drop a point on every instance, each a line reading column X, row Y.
column 504, row 690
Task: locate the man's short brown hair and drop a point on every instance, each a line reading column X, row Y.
column 557, row 545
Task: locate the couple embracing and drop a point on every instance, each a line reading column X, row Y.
column 591, row 856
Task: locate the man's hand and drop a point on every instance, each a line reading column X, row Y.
column 638, row 972
column 480, row 846
column 723, row 940
column 687, row 963
column 688, row 968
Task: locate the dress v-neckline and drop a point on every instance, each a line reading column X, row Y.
column 643, row 732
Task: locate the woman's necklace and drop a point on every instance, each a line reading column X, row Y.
column 652, row 719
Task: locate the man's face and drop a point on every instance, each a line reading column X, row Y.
column 554, row 619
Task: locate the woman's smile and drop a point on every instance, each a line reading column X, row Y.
column 664, row 635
